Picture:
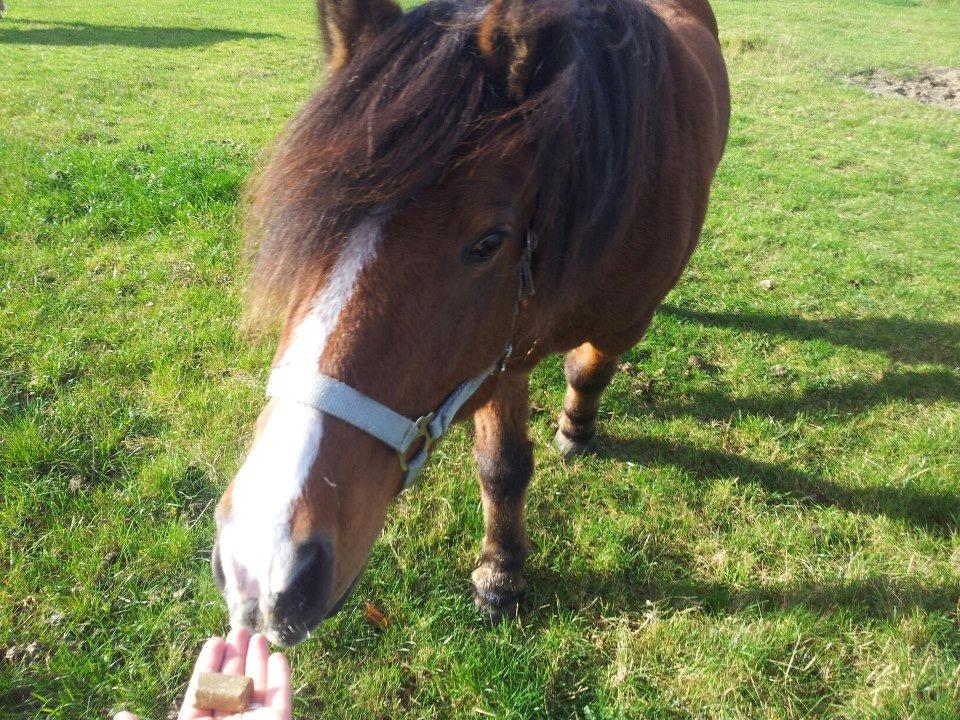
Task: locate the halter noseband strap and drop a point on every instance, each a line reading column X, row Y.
column 333, row 397
column 329, row 395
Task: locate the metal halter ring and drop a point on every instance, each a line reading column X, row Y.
column 424, row 433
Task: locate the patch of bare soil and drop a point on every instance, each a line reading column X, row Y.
column 934, row 86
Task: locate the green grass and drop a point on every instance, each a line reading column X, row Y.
column 772, row 534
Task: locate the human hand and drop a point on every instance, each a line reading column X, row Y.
column 241, row 654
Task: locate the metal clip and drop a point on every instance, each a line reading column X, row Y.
column 424, row 433
column 507, row 352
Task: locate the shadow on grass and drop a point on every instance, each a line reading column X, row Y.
column 662, row 576
column 937, row 512
column 874, row 597
column 901, row 338
column 88, row 35
column 927, row 387
column 917, row 341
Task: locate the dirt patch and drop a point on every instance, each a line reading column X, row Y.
column 934, row 86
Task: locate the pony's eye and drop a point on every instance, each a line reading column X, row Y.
column 484, row 249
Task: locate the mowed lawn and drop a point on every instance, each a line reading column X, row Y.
column 769, row 527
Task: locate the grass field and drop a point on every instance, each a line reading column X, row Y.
column 768, row 532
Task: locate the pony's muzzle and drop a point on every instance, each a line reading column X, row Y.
column 285, row 617
column 303, row 604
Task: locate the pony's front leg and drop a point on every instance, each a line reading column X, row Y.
column 505, row 461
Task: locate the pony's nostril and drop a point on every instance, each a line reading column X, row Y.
column 303, row 604
column 250, row 618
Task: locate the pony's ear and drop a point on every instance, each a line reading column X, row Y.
column 518, row 39
column 345, row 25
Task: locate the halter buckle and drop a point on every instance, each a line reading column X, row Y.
column 423, row 433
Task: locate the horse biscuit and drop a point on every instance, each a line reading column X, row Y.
column 226, row 693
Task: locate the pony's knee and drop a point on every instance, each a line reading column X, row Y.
column 506, row 473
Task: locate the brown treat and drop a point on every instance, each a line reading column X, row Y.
column 226, row 693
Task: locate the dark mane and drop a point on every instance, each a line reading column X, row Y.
column 420, row 99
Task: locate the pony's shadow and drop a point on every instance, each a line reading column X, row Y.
column 854, row 397
column 907, row 340
column 87, row 35
column 874, row 597
column 903, row 339
column 936, row 512
column 662, row 578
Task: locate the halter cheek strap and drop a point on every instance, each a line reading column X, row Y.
column 329, row 395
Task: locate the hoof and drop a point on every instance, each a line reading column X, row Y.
column 496, row 595
column 569, row 447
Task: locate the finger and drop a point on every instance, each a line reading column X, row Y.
column 262, row 713
column 235, row 654
column 125, row 715
column 257, row 653
column 209, row 660
column 279, row 692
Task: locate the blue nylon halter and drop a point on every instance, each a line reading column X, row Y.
column 329, row 395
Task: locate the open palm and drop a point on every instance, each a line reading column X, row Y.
column 241, row 654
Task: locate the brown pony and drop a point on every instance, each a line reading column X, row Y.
column 459, row 156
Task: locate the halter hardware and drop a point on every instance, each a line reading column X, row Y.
column 328, row 395
column 424, row 433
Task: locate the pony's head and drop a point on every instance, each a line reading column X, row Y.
column 388, row 231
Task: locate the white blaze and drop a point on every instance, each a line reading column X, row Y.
column 255, row 545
